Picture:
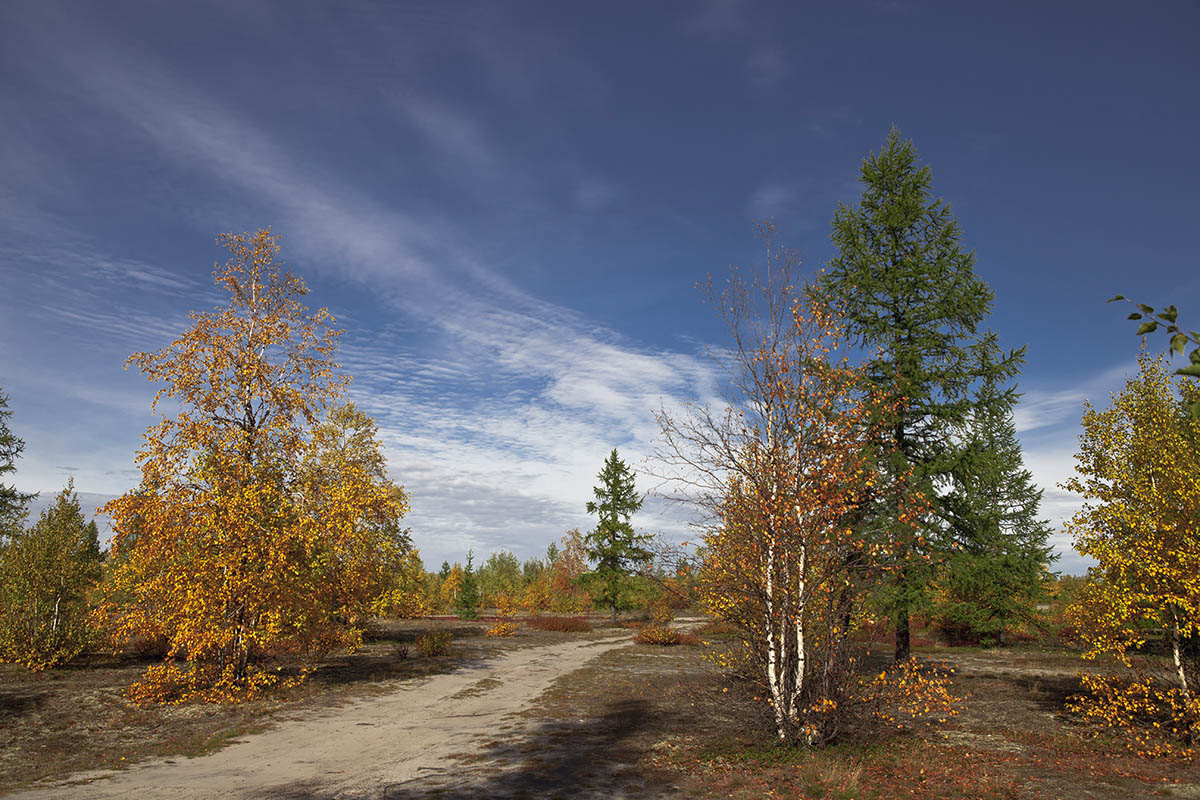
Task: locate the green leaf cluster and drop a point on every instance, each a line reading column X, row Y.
column 1178, row 337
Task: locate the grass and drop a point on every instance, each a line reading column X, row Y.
column 559, row 624
column 636, row 721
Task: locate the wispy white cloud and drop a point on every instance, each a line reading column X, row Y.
column 771, row 200
column 496, row 408
column 1045, row 407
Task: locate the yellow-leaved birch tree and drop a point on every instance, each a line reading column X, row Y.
column 237, row 547
column 1137, row 470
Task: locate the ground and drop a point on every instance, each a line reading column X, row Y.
column 547, row 714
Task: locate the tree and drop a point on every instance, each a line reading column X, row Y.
column 255, row 538
column 1179, row 338
column 785, row 478
column 560, row 585
column 466, row 601
column 997, row 573
column 499, row 578
column 343, row 459
column 12, row 502
column 1136, row 470
column 905, row 287
column 444, row 572
column 613, row 544
column 45, row 575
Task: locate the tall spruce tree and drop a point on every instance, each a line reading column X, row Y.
column 12, row 502
column 613, row 544
column 908, row 291
column 997, row 571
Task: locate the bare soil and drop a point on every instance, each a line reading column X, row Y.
column 561, row 715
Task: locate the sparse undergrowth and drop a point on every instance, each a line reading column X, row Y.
column 560, row 624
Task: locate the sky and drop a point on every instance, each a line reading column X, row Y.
column 508, row 206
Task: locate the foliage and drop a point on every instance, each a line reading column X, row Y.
column 613, row 544
column 500, row 576
column 434, row 642
column 12, row 502
column 996, row 571
column 505, row 611
column 1179, row 338
column 560, row 624
column 560, row 586
column 789, row 476
column 405, row 595
column 1136, row 470
column 45, row 575
column 903, row 284
column 466, row 600
column 260, row 533
column 657, row 633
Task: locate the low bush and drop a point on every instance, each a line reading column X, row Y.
column 664, row 636
column 502, row 627
column 435, row 642
column 562, row 624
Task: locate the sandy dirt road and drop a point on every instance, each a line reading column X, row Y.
column 397, row 744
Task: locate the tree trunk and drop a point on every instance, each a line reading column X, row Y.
column 1179, row 671
column 614, row 612
column 903, row 636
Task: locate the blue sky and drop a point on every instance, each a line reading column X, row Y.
column 508, row 205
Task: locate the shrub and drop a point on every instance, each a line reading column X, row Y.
column 435, row 642
column 658, row 634
column 503, row 627
column 562, row 624
column 400, row 652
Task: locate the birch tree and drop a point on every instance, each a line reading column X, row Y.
column 785, row 476
column 1136, row 470
column 254, row 539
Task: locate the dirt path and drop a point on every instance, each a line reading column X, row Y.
column 389, row 745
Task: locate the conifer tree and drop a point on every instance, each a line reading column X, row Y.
column 997, row 571
column 908, row 291
column 613, row 544
column 466, row 602
column 12, row 502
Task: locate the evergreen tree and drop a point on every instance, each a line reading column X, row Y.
column 908, row 290
column 444, row 572
column 45, row 574
column 12, row 502
column 997, row 573
column 466, row 602
column 613, row 544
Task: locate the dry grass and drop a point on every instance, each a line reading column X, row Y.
column 559, row 624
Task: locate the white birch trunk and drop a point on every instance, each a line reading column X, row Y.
column 773, row 643
column 1179, row 662
column 798, row 677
